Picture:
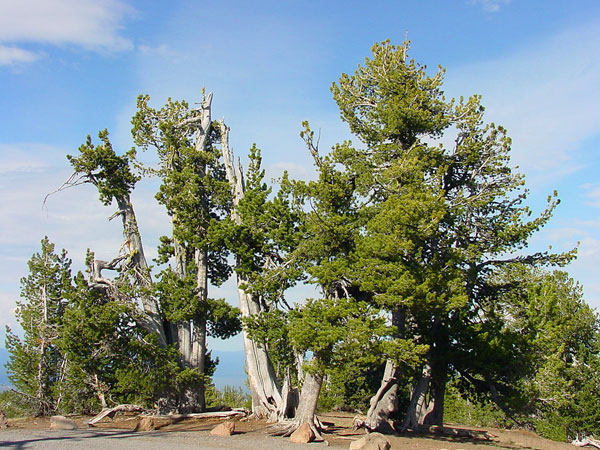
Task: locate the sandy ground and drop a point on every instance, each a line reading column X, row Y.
column 253, row 435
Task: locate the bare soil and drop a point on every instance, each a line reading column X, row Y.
column 338, row 434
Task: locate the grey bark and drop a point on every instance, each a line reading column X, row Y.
column 417, row 409
column 267, row 399
column 152, row 319
column 191, row 334
column 307, row 408
column 385, row 402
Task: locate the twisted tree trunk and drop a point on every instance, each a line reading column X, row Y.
column 267, row 399
column 417, row 407
column 307, row 408
column 385, row 402
column 137, row 263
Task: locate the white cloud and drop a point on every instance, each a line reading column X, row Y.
column 8, row 304
column 27, row 157
column 159, row 50
column 15, row 55
column 592, row 194
column 546, row 96
column 294, row 170
column 490, row 5
column 92, row 24
column 584, row 268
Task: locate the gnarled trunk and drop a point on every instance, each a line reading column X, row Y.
column 437, row 391
column 267, row 400
column 417, row 407
column 152, row 319
column 385, row 401
column 307, row 408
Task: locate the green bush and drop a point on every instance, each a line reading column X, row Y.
column 234, row 397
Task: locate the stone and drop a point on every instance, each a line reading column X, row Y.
column 145, row 424
column 303, row 434
column 62, row 423
column 372, row 441
column 223, row 429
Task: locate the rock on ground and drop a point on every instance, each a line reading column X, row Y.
column 62, row 423
column 373, row 441
column 223, row 429
column 145, row 424
column 303, row 435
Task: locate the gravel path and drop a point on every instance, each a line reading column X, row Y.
column 126, row 440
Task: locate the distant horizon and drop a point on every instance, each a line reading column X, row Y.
column 230, row 370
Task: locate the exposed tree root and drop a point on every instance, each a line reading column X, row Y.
column 286, row 428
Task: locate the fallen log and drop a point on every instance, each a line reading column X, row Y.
column 110, row 412
column 236, row 412
column 586, row 441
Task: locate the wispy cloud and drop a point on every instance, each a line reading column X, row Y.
column 491, row 6
column 158, row 50
column 14, row 55
column 91, row 24
column 592, row 194
column 546, row 95
column 28, row 157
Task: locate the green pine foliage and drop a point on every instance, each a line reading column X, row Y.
column 36, row 365
column 563, row 335
column 441, row 217
column 109, row 172
column 415, row 235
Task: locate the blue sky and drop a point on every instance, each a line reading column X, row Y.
column 69, row 68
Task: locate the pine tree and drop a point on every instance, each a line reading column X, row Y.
column 197, row 196
column 36, row 366
column 441, row 216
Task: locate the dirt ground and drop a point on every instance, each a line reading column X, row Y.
column 338, row 435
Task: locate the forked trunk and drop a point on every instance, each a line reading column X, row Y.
column 307, row 408
column 385, row 402
column 417, row 408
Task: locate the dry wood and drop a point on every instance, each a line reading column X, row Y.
column 586, row 441
column 110, row 412
column 203, row 415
